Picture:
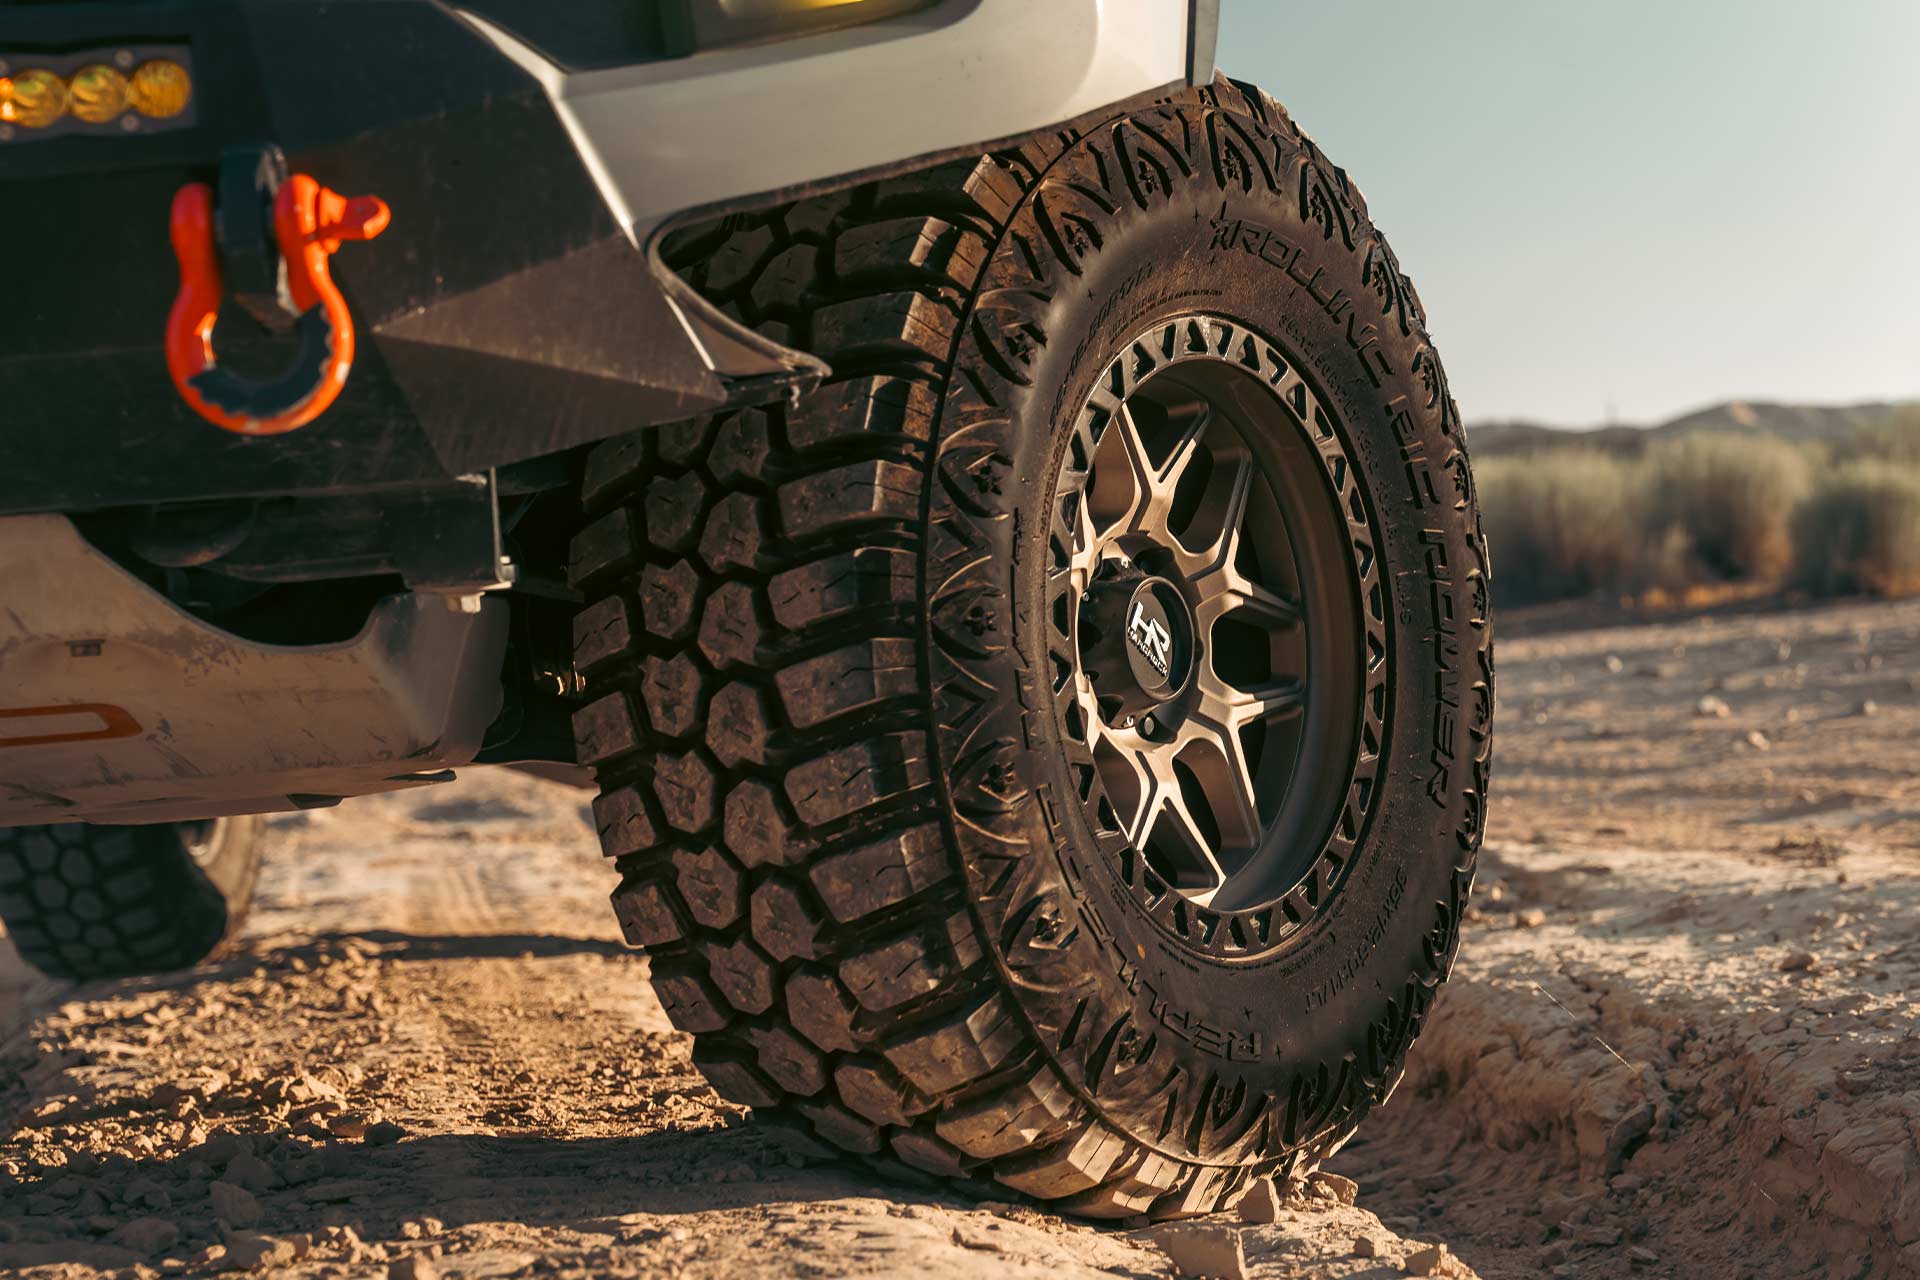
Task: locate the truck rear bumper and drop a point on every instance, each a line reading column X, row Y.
column 505, row 314
column 517, row 305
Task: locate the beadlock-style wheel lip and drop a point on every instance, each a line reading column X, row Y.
column 1210, row 345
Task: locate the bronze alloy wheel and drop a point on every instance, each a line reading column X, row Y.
column 1198, row 511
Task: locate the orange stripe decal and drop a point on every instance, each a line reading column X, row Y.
column 115, row 722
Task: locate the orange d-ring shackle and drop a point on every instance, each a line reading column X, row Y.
column 309, row 224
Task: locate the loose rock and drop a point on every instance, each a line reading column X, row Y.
column 1214, row 1252
column 147, row 1193
column 250, row 1171
column 1345, row 1190
column 413, row 1266
column 1427, row 1261
column 147, row 1235
column 1855, row 1080
column 348, row 1125
column 383, row 1134
column 310, row 1088
column 218, row 1148
column 1261, row 1203
column 233, row 1205
column 338, row 1190
column 246, row 1251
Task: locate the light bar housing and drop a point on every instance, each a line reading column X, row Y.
column 153, row 84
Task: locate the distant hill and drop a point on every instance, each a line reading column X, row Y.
column 1790, row 421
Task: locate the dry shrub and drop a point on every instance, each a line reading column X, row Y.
column 1691, row 515
column 1561, row 522
column 1894, row 438
column 1731, row 498
column 1860, row 531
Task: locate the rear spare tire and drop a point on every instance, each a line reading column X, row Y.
column 1055, row 750
column 83, row 901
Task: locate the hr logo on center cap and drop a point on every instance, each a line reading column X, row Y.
column 1151, row 637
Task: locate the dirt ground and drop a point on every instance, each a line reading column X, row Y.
column 1686, row 1022
column 1681, row 1039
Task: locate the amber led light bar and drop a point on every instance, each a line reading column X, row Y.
column 106, row 91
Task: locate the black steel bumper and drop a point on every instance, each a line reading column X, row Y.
column 516, row 306
column 505, row 315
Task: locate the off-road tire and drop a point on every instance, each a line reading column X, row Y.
column 815, row 695
column 82, row 901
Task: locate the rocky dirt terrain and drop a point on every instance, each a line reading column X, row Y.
column 430, row 1055
column 1683, row 1036
column 1681, row 1040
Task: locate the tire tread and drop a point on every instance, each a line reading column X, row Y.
column 785, row 860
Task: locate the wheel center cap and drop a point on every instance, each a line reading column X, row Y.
column 1137, row 642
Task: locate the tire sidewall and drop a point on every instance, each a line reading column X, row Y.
column 1210, row 1060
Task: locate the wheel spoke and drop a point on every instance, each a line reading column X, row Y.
column 1220, row 518
column 1122, row 484
column 1213, row 751
column 1126, row 778
column 1133, row 494
column 1167, row 477
column 1156, row 784
column 1219, row 586
column 1170, row 827
column 1085, row 552
column 1235, row 707
column 1226, row 591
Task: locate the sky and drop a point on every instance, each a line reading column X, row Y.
column 1621, row 211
